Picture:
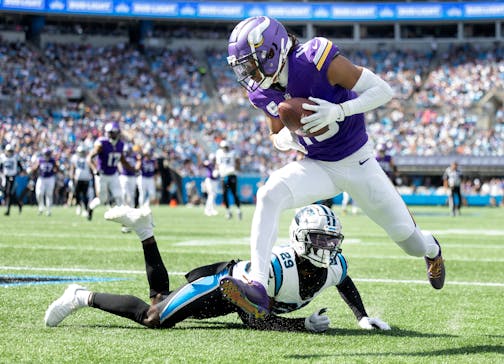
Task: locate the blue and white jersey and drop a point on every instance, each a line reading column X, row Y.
column 285, row 285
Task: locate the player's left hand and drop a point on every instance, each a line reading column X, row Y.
column 325, row 113
column 317, row 322
column 371, row 323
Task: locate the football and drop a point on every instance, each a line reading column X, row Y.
column 291, row 111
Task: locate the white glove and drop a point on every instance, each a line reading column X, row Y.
column 317, row 322
column 285, row 140
column 371, row 323
column 325, row 113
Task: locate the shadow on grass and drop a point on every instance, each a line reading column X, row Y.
column 192, row 324
column 477, row 349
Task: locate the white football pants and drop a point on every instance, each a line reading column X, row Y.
column 146, row 190
column 211, row 186
column 306, row 181
column 44, row 192
column 128, row 188
column 106, row 184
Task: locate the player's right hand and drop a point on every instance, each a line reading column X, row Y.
column 371, row 323
column 317, row 322
column 285, row 140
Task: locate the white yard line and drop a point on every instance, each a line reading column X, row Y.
column 122, row 271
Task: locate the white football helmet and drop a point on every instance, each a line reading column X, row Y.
column 315, row 234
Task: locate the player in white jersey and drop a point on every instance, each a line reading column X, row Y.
column 228, row 164
column 81, row 176
column 299, row 272
column 10, row 166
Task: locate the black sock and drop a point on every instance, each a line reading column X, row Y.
column 127, row 306
column 156, row 270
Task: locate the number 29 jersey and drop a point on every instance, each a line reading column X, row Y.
column 294, row 282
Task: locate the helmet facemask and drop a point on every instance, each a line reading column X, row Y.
column 316, row 235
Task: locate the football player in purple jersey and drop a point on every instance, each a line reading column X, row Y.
column 127, row 177
column 146, row 180
column 47, row 167
column 298, row 275
column 386, row 162
column 273, row 66
column 103, row 161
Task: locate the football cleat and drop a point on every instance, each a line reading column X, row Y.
column 436, row 270
column 63, row 306
column 130, row 217
column 250, row 297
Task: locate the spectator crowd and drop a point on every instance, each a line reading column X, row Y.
column 184, row 104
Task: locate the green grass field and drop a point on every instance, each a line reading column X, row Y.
column 462, row 323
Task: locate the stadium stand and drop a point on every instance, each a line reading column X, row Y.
column 182, row 99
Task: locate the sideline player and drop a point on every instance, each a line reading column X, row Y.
column 11, row 166
column 146, row 180
column 211, row 185
column 128, row 177
column 228, row 164
column 47, row 167
column 314, row 251
column 273, row 66
column 452, row 179
column 108, row 151
column 81, row 176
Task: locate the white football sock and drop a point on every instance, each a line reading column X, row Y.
column 272, row 199
column 82, row 296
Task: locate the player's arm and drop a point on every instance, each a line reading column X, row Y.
column 372, row 92
column 350, row 294
column 34, row 168
column 20, row 167
column 445, row 180
column 278, row 323
column 126, row 164
column 90, row 157
column 138, row 163
column 281, row 137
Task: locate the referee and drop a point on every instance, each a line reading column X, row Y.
column 451, row 180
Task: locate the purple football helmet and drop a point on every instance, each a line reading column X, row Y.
column 258, row 49
column 112, row 130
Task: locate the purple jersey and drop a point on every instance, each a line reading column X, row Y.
column 148, row 167
column 109, row 156
column 131, row 159
column 307, row 72
column 46, row 167
column 209, row 171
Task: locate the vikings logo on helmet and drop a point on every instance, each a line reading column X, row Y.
column 315, row 234
column 258, row 49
